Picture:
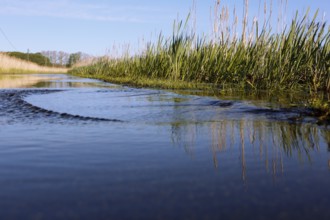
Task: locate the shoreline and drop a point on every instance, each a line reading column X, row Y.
column 312, row 107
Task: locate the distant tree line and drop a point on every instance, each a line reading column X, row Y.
column 65, row 59
column 52, row 58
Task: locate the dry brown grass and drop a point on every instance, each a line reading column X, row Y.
column 13, row 65
column 86, row 62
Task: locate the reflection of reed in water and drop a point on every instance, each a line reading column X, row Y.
column 180, row 137
column 20, row 80
column 267, row 140
column 242, row 150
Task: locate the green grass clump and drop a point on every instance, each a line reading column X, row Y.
column 298, row 58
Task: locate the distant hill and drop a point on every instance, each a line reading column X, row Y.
column 37, row 58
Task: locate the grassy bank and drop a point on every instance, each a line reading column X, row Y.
column 296, row 59
column 14, row 65
column 37, row 58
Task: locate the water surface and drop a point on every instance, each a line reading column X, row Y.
column 74, row 148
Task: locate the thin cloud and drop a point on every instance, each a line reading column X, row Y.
column 78, row 10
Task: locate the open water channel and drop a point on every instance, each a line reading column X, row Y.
column 74, row 148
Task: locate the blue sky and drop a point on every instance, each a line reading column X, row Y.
column 94, row 26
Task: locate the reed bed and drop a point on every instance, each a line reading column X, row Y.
column 296, row 58
column 13, row 65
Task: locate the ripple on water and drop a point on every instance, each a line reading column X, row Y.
column 149, row 106
column 132, row 105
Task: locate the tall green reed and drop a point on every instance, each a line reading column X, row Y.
column 296, row 58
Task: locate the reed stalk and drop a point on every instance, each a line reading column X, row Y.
column 296, row 58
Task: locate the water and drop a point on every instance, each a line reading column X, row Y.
column 75, row 148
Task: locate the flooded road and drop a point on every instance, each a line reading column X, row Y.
column 74, row 148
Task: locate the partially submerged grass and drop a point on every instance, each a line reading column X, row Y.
column 13, row 65
column 296, row 59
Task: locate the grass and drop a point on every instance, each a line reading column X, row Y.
column 37, row 58
column 14, row 65
column 295, row 59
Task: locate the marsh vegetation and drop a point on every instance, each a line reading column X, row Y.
column 15, row 65
column 295, row 58
column 236, row 140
